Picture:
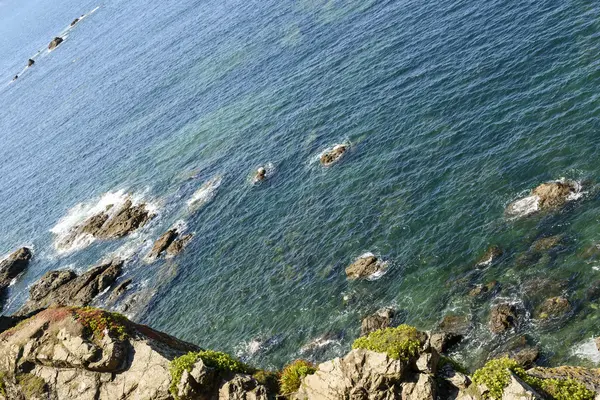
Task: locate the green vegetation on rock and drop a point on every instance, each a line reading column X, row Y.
column 400, row 343
column 2, row 384
column 496, row 376
column 458, row 367
column 292, row 374
column 32, row 386
column 221, row 362
column 99, row 321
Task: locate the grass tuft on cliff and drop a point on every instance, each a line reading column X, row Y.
column 32, row 386
column 292, row 374
column 221, row 362
column 400, row 343
column 495, row 374
column 98, row 322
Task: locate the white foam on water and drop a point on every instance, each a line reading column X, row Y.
column 83, row 211
column 523, row 207
column 206, row 193
column 587, row 350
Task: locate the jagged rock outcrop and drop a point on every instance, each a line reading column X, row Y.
column 366, row 266
column 65, row 288
column 503, row 317
column 333, row 155
column 75, row 353
column 169, row 243
column 11, row 267
column 55, row 42
column 109, row 224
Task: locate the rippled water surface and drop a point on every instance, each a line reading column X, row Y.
column 452, row 109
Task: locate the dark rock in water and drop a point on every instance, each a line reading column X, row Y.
column 55, row 42
column 593, row 292
column 76, row 20
column 503, row 317
column 30, row 62
column 10, row 268
column 163, row 242
column 547, row 243
column 364, row 267
column 490, row 256
column 457, row 325
column 554, row 307
column 15, row 78
column 65, row 288
column 519, row 350
column 538, row 289
column 261, row 175
column 178, row 245
column 119, row 291
column 333, row 155
column 104, row 226
column 483, row 291
column 381, row 319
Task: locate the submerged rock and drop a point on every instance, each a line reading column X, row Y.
column 547, row 243
column 365, row 266
column 55, row 42
column 11, row 267
column 490, row 256
column 547, row 196
column 65, row 288
column 481, row 291
column 554, row 307
column 381, row 319
column 503, row 317
column 519, row 350
column 333, row 155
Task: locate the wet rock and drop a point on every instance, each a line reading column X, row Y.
column 12, row 267
column 538, row 289
column 593, row 291
column 119, row 291
column 178, row 245
column 30, row 62
column 381, row 319
column 503, row 317
column 163, row 242
column 65, row 288
column 483, row 291
column 519, row 350
column 457, row 325
column 331, row 156
column 554, row 307
column 260, row 175
column 75, row 21
column 491, row 255
column 547, row 243
column 58, row 347
column 55, row 42
column 547, row 196
column 364, row 267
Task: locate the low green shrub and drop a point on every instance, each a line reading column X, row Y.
column 222, row 362
column 268, row 379
column 400, row 343
column 99, row 321
column 292, row 374
column 496, row 376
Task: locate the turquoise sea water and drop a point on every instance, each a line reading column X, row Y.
column 453, row 109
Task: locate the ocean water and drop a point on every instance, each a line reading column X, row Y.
column 452, row 109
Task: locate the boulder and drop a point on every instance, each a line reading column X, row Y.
column 260, row 175
column 519, row 390
column 364, row 267
column 554, row 307
column 490, row 256
column 333, row 155
column 547, row 196
column 65, row 288
column 55, row 42
column 242, row 387
column 163, row 242
column 503, row 317
column 12, row 267
column 178, row 245
column 69, row 352
column 519, row 350
column 381, row 319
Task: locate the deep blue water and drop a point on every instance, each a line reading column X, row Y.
column 453, row 109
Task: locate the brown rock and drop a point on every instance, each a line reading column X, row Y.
column 380, row 320
column 364, row 267
column 503, row 317
column 333, row 155
column 55, row 42
column 13, row 266
column 547, row 243
column 457, row 325
column 554, row 194
column 163, row 242
column 481, row 291
column 554, row 307
column 490, row 256
column 178, row 245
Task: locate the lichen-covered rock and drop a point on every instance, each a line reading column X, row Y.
column 365, row 266
column 67, row 289
column 381, row 319
column 90, row 354
column 503, row 317
column 554, row 307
